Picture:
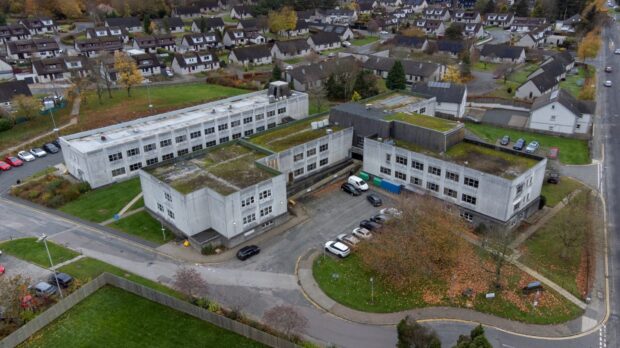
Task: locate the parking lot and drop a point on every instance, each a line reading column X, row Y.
column 11, row 176
column 15, row 266
column 331, row 212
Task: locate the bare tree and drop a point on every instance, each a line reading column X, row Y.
column 13, row 290
column 105, row 62
column 317, row 95
column 498, row 240
column 373, row 26
column 189, row 282
column 287, row 319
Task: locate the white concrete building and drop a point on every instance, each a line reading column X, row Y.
column 559, row 112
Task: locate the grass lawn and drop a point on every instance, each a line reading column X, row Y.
column 87, row 269
column 138, row 204
column 520, row 75
column 29, row 250
column 435, row 123
column 142, row 225
column 25, row 131
column 314, row 107
column 115, row 318
column 502, row 89
column 574, row 82
column 295, row 60
column 101, row 204
column 482, row 66
column 572, row 151
column 555, row 193
column 364, row 41
column 333, row 50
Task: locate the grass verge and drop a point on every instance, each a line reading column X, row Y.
column 29, row 250
column 142, row 225
column 364, row 41
column 554, row 193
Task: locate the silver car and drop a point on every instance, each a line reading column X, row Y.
column 38, row 152
column 25, row 156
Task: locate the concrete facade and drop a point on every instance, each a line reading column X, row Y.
column 556, row 117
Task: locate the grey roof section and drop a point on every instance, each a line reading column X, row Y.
column 186, row 10
column 208, row 54
column 321, row 70
column 252, row 52
column 10, row 89
column 411, row 67
column 563, row 97
column 210, row 22
column 454, row 47
column 59, row 64
column 292, row 46
column 361, row 110
column 249, row 23
column 123, row 22
column 322, row 38
column 545, row 81
column 445, row 92
column 501, row 51
column 409, row 41
column 172, row 22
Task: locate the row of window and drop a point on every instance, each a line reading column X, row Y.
column 435, row 171
column 249, row 219
column 310, row 167
column 160, row 207
column 310, row 152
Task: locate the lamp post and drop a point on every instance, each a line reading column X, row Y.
column 43, row 238
column 148, row 93
column 163, row 230
column 372, row 290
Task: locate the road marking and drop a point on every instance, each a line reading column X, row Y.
column 507, row 345
column 602, row 336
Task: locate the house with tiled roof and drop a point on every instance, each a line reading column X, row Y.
column 558, row 111
column 465, row 16
column 502, row 53
column 59, row 68
column 201, row 42
column 437, row 13
column 151, row 43
column 241, row 12
column 169, row 25
column 13, row 32
column 130, row 24
column 322, row 41
column 250, row 55
column 40, row 25
column 306, row 77
column 186, row 12
column 290, row 49
column 344, row 32
column 99, row 32
column 415, row 71
column 96, row 46
column 502, row 20
column 414, row 43
column 194, row 62
column 431, row 27
column 210, row 23
column 33, row 48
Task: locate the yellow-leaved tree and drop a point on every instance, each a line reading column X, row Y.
column 282, row 20
column 127, row 71
column 589, row 46
column 453, row 74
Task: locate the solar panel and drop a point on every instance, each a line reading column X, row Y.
column 439, row 84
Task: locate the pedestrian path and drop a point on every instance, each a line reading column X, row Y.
column 57, row 266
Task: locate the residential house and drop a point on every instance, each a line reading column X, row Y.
column 343, row 31
column 473, row 30
column 96, row 46
column 468, row 4
column 6, row 70
column 532, row 39
column 568, row 25
column 437, row 13
column 149, row 64
column 169, row 25
column 465, row 16
column 301, row 29
column 451, row 47
column 234, row 37
column 290, row 49
column 306, row 16
column 98, row 32
column 240, row 12
column 248, row 24
column 502, row 20
column 59, row 68
column 390, row 5
column 250, row 55
column 13, row 32
column 38, row 26
column 194, row 62
column 365, row 7
column 130, row 24
column 502, row 53
column 431, row 27
column 254, row 37
column 33, row 48
column 527, row 24
column 558, row 111
column 417, row 6
column 209, row 5
column 308, row 77
column 201, row 42
column 416, row 44
column 451, row 98
column 10, row 90
column 414, row 71
column 186, row 12
column 150, row 44
column 537, row 86
column 210, row 24
column 338, row 16
column 557, row 66
column 322, row 41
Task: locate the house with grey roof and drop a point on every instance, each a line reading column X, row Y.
column 13, row 32
column 59, row 68
column 96, row 46
column 343, row 31
column 414, row 43
column 168, row 25
column 151, row 43
column 431, row 27
column 290, row 49
column 558, row 111
column 437, row 13
column 10, row 90
column 452, row 48
column 194, row 62
column 210, row 24
column 33, row 48
column 40, row 25
column 186, row 12
column 308, row 77
column 240, row 12
column 200, row 42
column 527, row 24
column 130, row 24
column 502, row 20
column 98, row 32
column 250, row 55
column 536, row 86
column 322, row 41
column 465, row 16
column 451, row 97
column 414, row 71
column 301, row 28
column 502, row 53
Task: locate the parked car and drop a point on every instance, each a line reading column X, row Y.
column 505, row 140
column 25, row 156
column 358, row 183
column 247, row 251
column 383, row 32
column 56, row 143
column 288, row 67
column 2, row 269
column 4, row 166
column 370, row 225
column 608, row 69
column 519, row 144
column 43, row 289
column 346, row 43
column 64, row 279
column 391, row 211
column 337, row 248
column 532, row 147
column 554, row 152
column 379, row 218
column 348, row 239
column 13, row 161
column 617, row 51
column 362, row 233
column 169, row 72
column 374, row 199
column 608, row 83
column 38, row 152
column 554, row 178
column 350, row 189
column 50, row 148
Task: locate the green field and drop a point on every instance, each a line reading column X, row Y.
column 554, row 193
column 482, row 66
column 115, row 318
column 364, row 41
column 520, row 75
column 142, row 225
column 101, row 204
column 29, row 250
column 572, row 151
column 25, row 131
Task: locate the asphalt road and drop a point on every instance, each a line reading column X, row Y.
column 10, row 177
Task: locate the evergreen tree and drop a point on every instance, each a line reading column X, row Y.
column 146, row 23
column 276, row 73
column 365, row 84
column 413, row 335
column 454, row 32
column 330, row 86
column 476, row 339
column 2, row 19
column 538, row 10
column 521, row 9
column 489, row 7
column 396, row 77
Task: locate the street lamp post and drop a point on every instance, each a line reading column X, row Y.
column 43, row 238
column 163, row 230
column 148, row 93
column 372, row 290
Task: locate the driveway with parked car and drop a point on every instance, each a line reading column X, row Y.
column 10, row 177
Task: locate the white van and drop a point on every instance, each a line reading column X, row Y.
column 358, row 183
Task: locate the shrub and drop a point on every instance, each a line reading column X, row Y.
column 213, row 307
column 210, row 249
column 509, row 90
column 33, row 194
column 83, row 187
column 5, row 124
column 54, row 185
column 56, row 201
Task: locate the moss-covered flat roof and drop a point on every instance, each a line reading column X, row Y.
column 293, row 134
column 224, row 169
column 435, row 123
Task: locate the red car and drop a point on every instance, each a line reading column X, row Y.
column 14, row 161
column 4, row 167
column 2, row 269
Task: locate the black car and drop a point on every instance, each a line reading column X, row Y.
column 64, row 279
column 350, row 189
column 505, row 140
column 247, row 251
column 554, row 178
column 379, row 218
column 519, row 145
column 50, row 148
column 374, row 200
column 370, row 225
column 56, row 143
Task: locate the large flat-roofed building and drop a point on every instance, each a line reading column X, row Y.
column 114, row 153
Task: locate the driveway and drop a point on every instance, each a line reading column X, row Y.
column 482, row 83
column 499, row 35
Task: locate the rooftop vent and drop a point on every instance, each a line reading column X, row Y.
column 103, row 138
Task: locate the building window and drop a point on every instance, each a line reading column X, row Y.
column 519, row 190
column 271, row 113
column 298, row 172
column 197, row 147
column 118, row 171
column 469, row 217
column 115, row 157
column 432, row 186
column 281, row 111
column 388, row 158
column 399, row 175
column 311, row 152
column 151, row 161
column 401, row 160
column 260, row 129
column 471, row 182
column 222, row 127
column 434, row 170
column 449, row 192
column 160, row 207
column 266, row 211
column 149, row 147
column 323, row 148
column 311, row 166
column 180, row 138
column 249, row 219
column 298, row 157
column 422, row 110
column 271, row 125
column 468, row 199
column 168, row 196
column 170, row 155
column 552, row 117
column 224, row 140
column 517, row 206
column 386, row 171
column 417, row 165
column 247, row 120
column 452, row 176
column 194, row 135
column 133, row 152
column 323, row 162
column 247, row 201
column 416, row 181
column 234, row 124
column 165, row 143
column 264, row 194
column 236, row 136
column 171, row 214
column 209, row 130
column 248, row 132
column 135, row 166
column 210, row 143
column 259, row 117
